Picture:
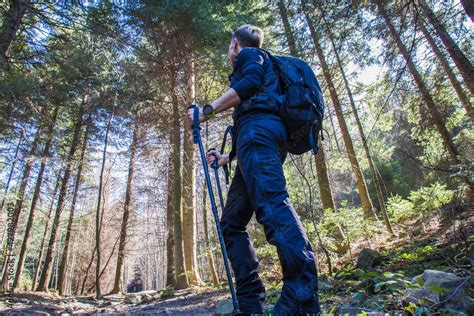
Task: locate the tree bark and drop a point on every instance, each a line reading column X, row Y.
column 188, row 201
column 106, row 263
column 127, row 209
column 98, row 221
column 11, row 23
column 287, row 27
column 21, row 196
column 436, row 116
column 451, row 76
column 45, row 232
column 34, row 201
column 7, row 185
column 170, row 277
column 180, row 270
column 361, row 185
column 46, row 274
column 63, row 266
column 460, row 59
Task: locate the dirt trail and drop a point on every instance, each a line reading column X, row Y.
column 144, row 303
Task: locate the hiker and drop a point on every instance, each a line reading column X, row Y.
column 259, row 184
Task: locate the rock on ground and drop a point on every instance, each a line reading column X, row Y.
column 443, row 289
column 368, row 258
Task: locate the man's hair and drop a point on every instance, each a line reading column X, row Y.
column 249, row 36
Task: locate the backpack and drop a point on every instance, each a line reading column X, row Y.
column 302, row 103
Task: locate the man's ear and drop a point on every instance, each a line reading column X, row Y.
column 236, row 45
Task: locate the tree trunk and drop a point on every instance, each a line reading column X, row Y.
column 287, row 27
column 127, row 209
column 361, row 185
column 210, row 258
column 106, row 263
column 189, row 214
column 36, row 193
column 325, row 192
column 46, row 273
column 63, row 266
column 451, row 76
column 46, row 226
column 170, row 277
column 7, row 185
column 84, row 280
column 20, row 199
column 180, row 271
column 11, row 23
column 435, row 114
column 460, row 59
column 98, row 221
column 368, row 155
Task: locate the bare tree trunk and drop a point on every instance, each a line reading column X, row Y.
column 46, row 226
column 36, row 193
column 63, row 266
column 368, row 155
column 15, row 158
column 98, row 221
column 11, row 23
column 180, row 270
column 127, row 209
column 170, row 277
column 325, row 192
column 189, row 214
column 45, row 275
column 20, row 197
column 436, row 116
column 460, row 59
column 84, row 280
column 71, row 275
column 361, row 185
column 451, row 76
column 106, row 263
column 287, row 27
column 210, row 258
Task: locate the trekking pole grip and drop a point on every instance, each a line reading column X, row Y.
column 196, row 127
column 215, row 164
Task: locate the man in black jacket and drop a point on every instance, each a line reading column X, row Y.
column 259, row 185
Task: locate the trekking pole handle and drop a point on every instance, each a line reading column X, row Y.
column 196, row 128
column 215, row 164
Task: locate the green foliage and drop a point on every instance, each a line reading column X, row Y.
column 351, row 220
column 400, row 209
column 420, row 202
column 428, row 199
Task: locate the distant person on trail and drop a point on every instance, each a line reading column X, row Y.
column 259, row 185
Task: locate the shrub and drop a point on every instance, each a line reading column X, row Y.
column 400, row 209
column 420, row 202
column 428, row 199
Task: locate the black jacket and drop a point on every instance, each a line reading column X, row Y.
column 255, row 81
column 257, row 84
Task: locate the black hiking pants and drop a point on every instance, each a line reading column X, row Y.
column 259, row 187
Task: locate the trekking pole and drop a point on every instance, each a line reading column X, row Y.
column 197, row 140
column 215, row 166
column 225, row 167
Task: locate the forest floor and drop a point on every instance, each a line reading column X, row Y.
column 444, row 244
